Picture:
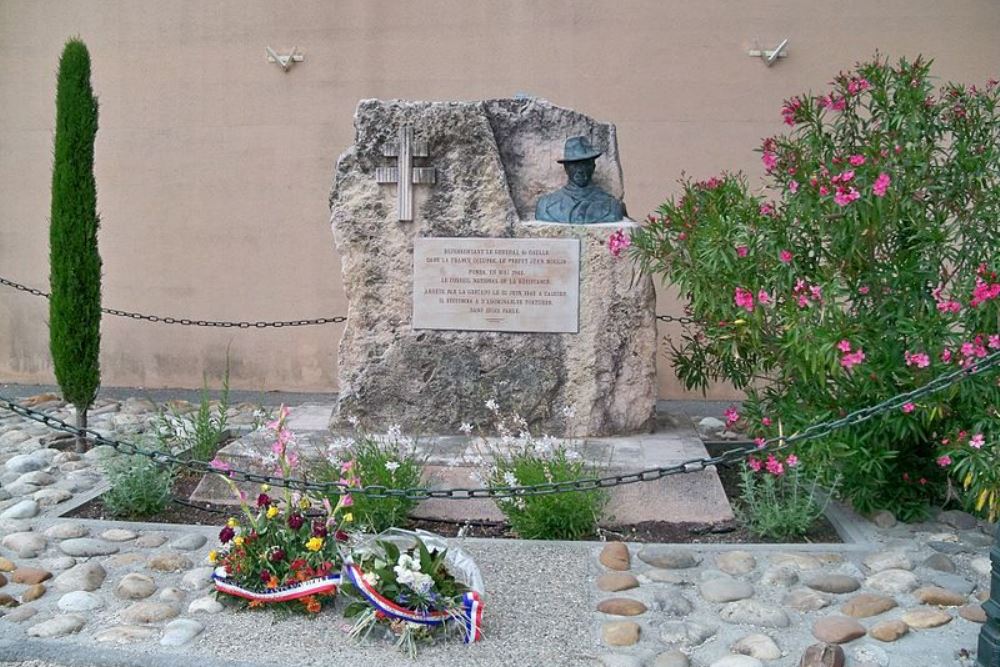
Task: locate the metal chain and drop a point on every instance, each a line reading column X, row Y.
column 183, row 321
column 676, row 318
column 422, row 493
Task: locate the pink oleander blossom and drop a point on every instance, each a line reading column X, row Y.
column 766, row 421
column 946, row 355
column 763, row 297
column 774, row 466
column 744, row 299
column 845, row 196
column 767, row 209
column 742, row 251
column 994, row 342
column 977, row 441
column 844, row 345
column 618, row 242
column 864, row 289
column 754, row 463
column 760, row 442
column 909, row 407
column 918, row 359
column 792, row 461
column 856, row 160
column 770, row 161
column 732, row 415
column 852, row 359
column 944, row 461
column 793, row 186
column 881, row 184
column 785, row 256
column 984, row 292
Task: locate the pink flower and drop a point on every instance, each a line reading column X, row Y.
column 789, row 109
column 793, row 186
column 856, row 160
column 845, row 177
column 763, row 297
column 994, row 343
column 618, row 242
column 844, row 345
column 852, row 359
column 760, row 442
column 766, row 209
column 770, row 161
column 774, row 466
column 881, row 184
column 792, row 461
column 845, row 196
column 766, row 421
column 857, row 85
column 984, row 292
column 823, row 191
column 220, row 465
column 744, row 299
column 742, row 250
column 918, row 359
column 977, row 441
column 732, row 415
column 785, row 256
column 908, row 407
column 863, row 289
column 944, row 461
column 754, row 463
column 946, row 355
column 347, row 500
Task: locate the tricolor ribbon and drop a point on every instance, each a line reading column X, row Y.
column 471, row 616
column 319, row 586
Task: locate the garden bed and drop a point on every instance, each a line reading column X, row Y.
column 180, row 511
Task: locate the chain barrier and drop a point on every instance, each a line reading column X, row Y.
column 811, row 432
column 184, row 321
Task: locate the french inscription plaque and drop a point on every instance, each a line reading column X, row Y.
column 491, row 284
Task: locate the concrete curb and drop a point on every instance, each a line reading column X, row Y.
column 70, row 654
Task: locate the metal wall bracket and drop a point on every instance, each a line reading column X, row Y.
column 770, row 56
column 284, row 60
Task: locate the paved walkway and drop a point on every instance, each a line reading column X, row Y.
column 79, row 592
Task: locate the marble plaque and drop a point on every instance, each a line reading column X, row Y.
column 494, row 284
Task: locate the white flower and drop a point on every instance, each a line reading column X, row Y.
column 422, row 583
column 492, row 405
column 371, row 578
column 572, row 455
column 392, row 466
column 465, row 428
column 395, row 432
column 404, row 575
column 509, row 479
column 221, row 572
column 408, row 562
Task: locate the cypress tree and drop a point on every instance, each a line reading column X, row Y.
column 74, row 262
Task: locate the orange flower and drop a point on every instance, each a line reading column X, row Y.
column 272, row 582
column 256, row 603
column 313, row 605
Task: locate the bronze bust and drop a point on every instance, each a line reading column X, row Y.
column 579, row 201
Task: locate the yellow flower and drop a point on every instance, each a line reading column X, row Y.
column 238, row 540
column 232, row 523
column 314, row 544
column 265, row 488
column 213, row 556
column 272, row 512
column 349, row 517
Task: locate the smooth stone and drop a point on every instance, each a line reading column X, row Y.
column 138, row 406
column 20, row 489
column 30, row 575
column 711, row 426
column 935, row 595
column 7, row 565
column 73, row 466
column 616, row 581
column 621, row 607
column 950, row 548
column 189, row 542
column 148, row 611
column 58, row 626
column 888, row 560
column 36, row 477
column 686, row 633
column 892, row 582
column 66, row 531
column 33, row 592
column 198, row 578
column 128, row 559
column 925, row 618
column 780, row 575
column 952, row 582
column 940, row 562
column 23, row 463
column 867, row 604
column 833, row 583
column 958, row 519
column 668, row 558
column 615, row 556
column 618, row 660
column 21, row 614
column 973, row 612
column 135, row 586
column 100, row 453
column 172, row 595
column 803, row 599
column 673, row 658
column 801, row 561
column 126, row 634
column 671, row 602
column 205, row 605
column 80, row 601
column 151, row 540
column 837, row 629
column 981, row 566
column 883, row 519
column 58, row 563
column 736, row 562
column 169, row 562
column 725, row 590
column 664, row 576
column 82, row 577
column 87, row 547
column 181, row 631
column 25, row 509
column 888, row 631
column 620, row 633
column 756, row 613
column 25, row 543
column 758, row 646
column 737, row 661
column 118, row 535
column 8, row 600
column 50, row 497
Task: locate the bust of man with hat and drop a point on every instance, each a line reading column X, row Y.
column 579, row 201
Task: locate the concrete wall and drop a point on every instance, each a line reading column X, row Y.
column 213, row 166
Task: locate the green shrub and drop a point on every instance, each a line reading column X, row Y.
column 389, row 462
column 74, row 262
column 868, row 268
column 776, row 500
column 139, row 486
column 201, row 436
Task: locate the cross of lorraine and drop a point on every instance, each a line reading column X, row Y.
column 405, row 175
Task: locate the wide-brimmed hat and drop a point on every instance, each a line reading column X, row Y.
column 579, row 148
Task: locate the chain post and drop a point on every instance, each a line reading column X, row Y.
column 988, row 654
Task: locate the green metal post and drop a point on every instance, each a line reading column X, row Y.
column 989, row 636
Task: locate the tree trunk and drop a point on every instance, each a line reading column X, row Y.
column 81, row 423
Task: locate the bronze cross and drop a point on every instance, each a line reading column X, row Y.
column 405, row 174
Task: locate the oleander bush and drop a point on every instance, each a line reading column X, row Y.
column 865, row 267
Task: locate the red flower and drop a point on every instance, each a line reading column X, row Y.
column 265, row 576
column 263, row 500
column 277, row 555
column 341, row 536
column 298, row 563
column 226, row 534
column 319, row 528
column 295, row 521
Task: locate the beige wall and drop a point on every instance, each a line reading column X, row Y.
column 213, row 166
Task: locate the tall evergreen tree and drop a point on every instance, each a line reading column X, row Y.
column 74, row 262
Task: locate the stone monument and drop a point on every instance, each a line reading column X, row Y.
column 458, row 296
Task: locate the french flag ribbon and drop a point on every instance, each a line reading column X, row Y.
column 317, row 586
column 472, row 607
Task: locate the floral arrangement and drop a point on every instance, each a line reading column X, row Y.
column 416, row 591
column 282, row 550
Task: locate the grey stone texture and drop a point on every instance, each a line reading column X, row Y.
column 493, row 158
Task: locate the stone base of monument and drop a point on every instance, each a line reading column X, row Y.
column 695, row 497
